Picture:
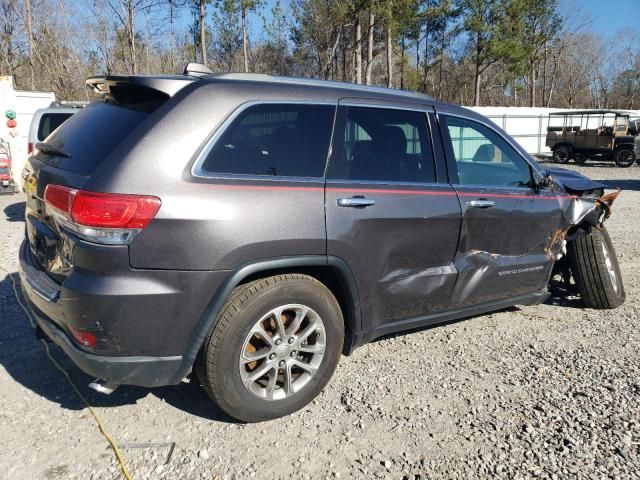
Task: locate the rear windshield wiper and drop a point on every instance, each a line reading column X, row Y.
column 49, row 149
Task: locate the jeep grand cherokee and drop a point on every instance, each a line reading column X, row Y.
column 255, row 228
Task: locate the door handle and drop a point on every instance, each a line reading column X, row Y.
column 481, row 203
column 356, row 202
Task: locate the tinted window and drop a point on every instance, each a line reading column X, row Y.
column 482, row 157
column 380, row 144
column 91, row 135
column 274, row 140
column 49, row 122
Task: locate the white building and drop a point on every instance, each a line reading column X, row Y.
column 528, row 126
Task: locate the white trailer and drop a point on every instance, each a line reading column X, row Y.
column 24, row 104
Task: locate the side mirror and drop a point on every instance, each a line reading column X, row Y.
column 541, row 179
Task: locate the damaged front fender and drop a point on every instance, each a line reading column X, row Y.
column 584, row 206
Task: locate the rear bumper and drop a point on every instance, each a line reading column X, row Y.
column 123, row 319
column 142, row 371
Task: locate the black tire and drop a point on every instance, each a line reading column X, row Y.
column 596, row 271
column 218, row 363
column 561, row 154
column 624, row 157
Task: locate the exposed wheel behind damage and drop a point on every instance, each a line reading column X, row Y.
column 596, row 271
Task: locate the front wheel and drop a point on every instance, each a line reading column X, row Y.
column 624, row 157
column 561, row 154
column 274, row 347
column 596, row 271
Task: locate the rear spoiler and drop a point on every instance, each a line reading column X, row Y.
column 163, row 85
column 168, row 85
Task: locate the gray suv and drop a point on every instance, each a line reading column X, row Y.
column 255, row 228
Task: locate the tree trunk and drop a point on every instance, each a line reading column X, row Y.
column 358, row 53
column 476, row 87
column 32, row 69
column 402, row 65
column 443, row 39
column 245, row 48
column 389, row 57
column 425, row 62
column 418, row 58
column 370, row 49
column 333, row 58
column 343, row 51
column 203, row 33
column 132, row 39
column 172, row 62
column 476, row 80
column 532, row 86
column 544, row 74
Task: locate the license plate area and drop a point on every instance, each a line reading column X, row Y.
column 41, row 284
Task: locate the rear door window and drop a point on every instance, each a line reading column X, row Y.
column 384, row 145
column 89, row 136
column 49, row 122
column 277, row 140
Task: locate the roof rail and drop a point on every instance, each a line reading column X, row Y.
column 197, row 70
column 262, row 77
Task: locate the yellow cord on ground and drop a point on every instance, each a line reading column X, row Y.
column 103, row 430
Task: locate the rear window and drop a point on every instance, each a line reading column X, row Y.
column 91, row 135
column 274, row 140
column 49, row 122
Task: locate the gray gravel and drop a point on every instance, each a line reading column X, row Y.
column 550, row 391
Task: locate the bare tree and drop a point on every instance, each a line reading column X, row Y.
column 358, row 49
column 31, row 42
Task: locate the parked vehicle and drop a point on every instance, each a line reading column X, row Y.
column 46, row 120
column 584, row 134
column 7, row 183
column 254, row 228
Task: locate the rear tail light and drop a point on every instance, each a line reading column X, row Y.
column 85, row 339
column 101, row 217
column 29, row 147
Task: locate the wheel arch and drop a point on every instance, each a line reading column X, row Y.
column 562, row 144
column 332, row 271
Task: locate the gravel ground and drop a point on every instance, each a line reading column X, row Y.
column 550, row 391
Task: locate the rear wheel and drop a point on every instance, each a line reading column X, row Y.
column 274, row 347
column 561, row 154
column 596, row 271
column 624, row 157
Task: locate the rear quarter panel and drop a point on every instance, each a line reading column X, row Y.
column 211, row 223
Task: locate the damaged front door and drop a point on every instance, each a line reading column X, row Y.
column 507, row 241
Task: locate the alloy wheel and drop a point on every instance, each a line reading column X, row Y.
column 610, row 270
column 282, row 352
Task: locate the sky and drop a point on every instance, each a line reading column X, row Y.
column 607, row 16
